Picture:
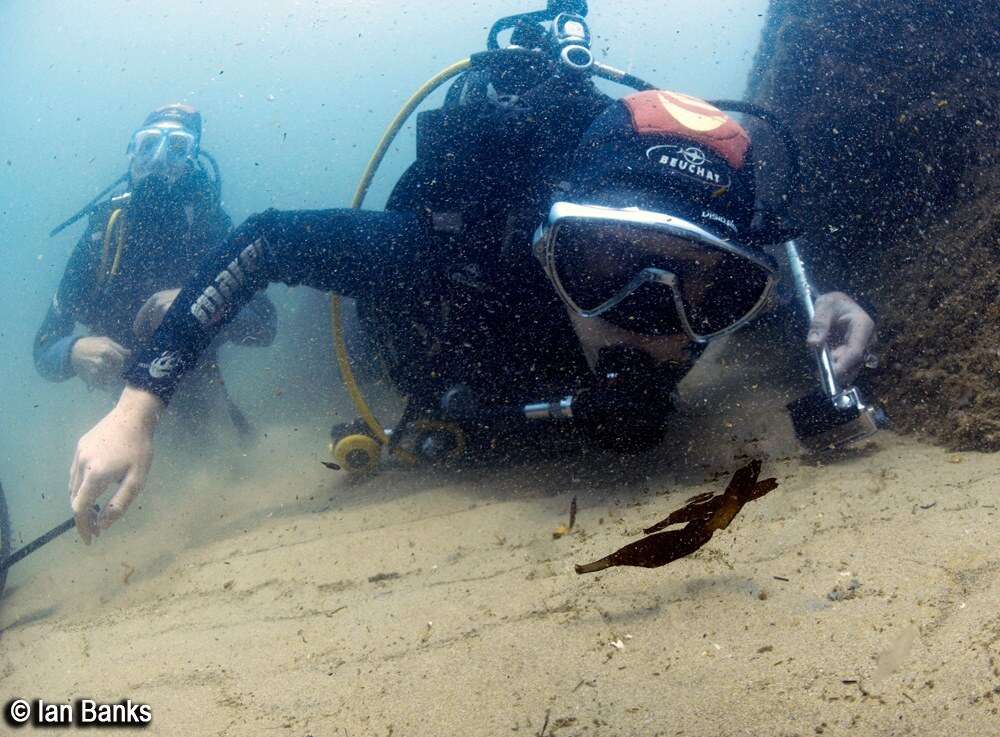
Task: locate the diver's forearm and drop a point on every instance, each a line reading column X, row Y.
column 345, row 251
column 143, row 408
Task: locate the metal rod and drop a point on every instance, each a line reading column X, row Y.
column 36, row 544
column 826, row 376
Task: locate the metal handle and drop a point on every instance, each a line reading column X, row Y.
column 823, row 361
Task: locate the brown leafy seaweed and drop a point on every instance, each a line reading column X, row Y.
column 704, row 514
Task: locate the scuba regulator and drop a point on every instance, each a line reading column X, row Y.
column 569, row 36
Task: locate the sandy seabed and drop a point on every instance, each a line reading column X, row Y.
column 443, row 606
column 279, row 598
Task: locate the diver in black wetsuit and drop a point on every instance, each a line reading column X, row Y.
column 138, row 249
column 548, row 242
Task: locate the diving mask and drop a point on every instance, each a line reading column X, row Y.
column 651, row 273
column 165, row 148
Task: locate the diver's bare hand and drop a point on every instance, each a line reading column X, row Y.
column 844, row 326
column 151, row 314
column 117, row 450
column 97, row 359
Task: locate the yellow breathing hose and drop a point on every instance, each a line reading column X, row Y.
column 120, row 244
column 336, row 317
column 390, row 133
column 109, row 231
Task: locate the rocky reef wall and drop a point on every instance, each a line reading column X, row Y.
column 896, row 108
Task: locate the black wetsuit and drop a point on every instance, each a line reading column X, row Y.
column 498, row 327
column 162, row 238
column 445, row 278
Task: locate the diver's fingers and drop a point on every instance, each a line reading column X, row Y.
column 111, row 364
column 83, row 505
column 100, row 372
column 120, row 352
column 819, row 328
column 860, row 331
column 115, row 357
column 116, row 507
column 117, row 362
column 841, row 361
column 846, row 362
column 97, row 365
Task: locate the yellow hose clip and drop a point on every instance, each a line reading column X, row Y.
column 357, row 454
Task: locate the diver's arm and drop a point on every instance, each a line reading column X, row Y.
column 341, row 250
column 54, row 341
column 345, row 251
column 53, row 347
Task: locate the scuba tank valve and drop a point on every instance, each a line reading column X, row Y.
column 572, row 37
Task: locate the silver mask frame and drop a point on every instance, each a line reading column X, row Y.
column 562, row 212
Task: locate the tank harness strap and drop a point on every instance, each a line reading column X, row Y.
column 104, row 272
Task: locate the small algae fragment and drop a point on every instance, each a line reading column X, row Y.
column 704, row 514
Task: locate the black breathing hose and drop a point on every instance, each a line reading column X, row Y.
column 86, row 208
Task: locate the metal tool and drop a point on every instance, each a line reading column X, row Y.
column 832, row 416
column 7, row 559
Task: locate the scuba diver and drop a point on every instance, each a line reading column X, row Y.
column 138, row 249
column 555, row 258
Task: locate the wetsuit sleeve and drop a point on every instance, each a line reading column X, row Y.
column 257, row 323
column 349, row 252
column 54, row 341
